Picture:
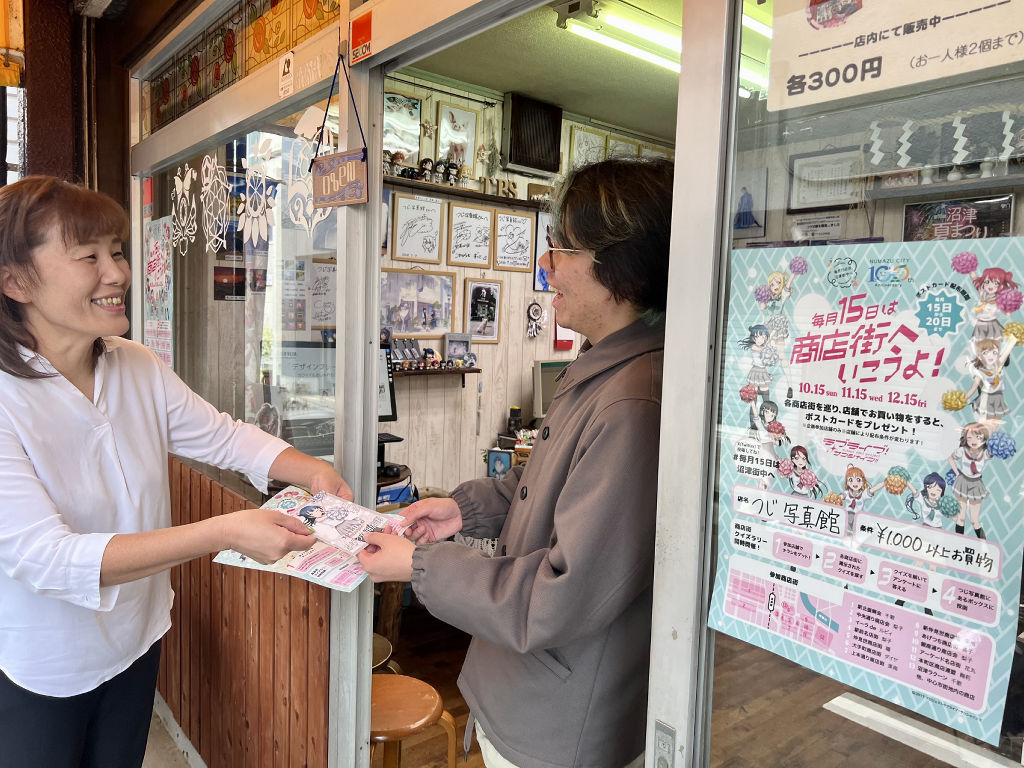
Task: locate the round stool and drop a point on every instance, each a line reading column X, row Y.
column 401, row 706
column 381, row 654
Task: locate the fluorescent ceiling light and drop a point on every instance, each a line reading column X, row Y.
column 756, row 26
column 598, row 37
column 743, row 92
column 645, row 32
column 754, row 77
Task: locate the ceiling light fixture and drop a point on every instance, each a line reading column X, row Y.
column 625, row 28
column 754, row 77
column 599, row 37
column 757, row 26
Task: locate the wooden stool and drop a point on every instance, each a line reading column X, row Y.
column 402, row 706
column 382, row 655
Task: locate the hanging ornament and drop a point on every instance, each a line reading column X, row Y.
column 482, row 155
column 535, row 317
column 428, row 128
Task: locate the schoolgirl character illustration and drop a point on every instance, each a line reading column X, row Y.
column 780, row 290
column 923, row 504
column 989, row 284
column 856, row 493
column 987, row 369
column 769, row 436
column 968, row 463
column 762, row 356
column 798, row 455
column 311, row 514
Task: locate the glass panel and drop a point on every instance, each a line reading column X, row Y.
column 240, row 286
column 868, row 546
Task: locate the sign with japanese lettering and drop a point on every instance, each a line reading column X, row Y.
column 339, row 179
column 832, row 49
column 870, row 483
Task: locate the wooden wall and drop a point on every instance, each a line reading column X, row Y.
column 244, row 668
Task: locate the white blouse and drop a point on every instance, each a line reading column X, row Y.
column 73, row 474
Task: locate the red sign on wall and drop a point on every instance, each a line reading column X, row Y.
column 360, row 37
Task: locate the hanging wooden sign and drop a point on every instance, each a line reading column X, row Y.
column 339, row 179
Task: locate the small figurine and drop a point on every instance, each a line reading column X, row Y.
column 453, row 173
column 406, row 365
column 458, row 362
column 397, row 161
column 426, row 169
column 440, row 168
column 387, row 162
column 429, row 354
column 464, row 177
column 435, row 363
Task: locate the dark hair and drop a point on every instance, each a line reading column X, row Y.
column 30, row 210
column 934, row 477
column 621, row 209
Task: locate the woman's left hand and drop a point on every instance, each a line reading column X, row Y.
column 388, row 558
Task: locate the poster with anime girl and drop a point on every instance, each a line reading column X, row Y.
column 855, row 365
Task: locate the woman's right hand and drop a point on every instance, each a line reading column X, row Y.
column 265, row 535
column 432, row 519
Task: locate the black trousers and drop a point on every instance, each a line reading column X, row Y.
column 106, row 727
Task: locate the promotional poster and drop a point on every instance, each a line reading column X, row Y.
column 869, row 478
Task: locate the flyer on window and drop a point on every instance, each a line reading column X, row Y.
column 870, row 483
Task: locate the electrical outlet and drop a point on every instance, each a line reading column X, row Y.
column 664, row 745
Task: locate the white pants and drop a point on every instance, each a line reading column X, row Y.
column 494, row 760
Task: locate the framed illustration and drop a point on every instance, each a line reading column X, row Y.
column 457, row 345
column 499, row 462
column 513, row 242
column 959, row 219
column 540, row 275
column 470, row 229
column 415, row 303
column 825, row 180
column 750, row 210
column 620, row 146
column 483, row 310
column 417, row 227
column 586, row 145
column 402, row 126
column 655, row 150
column 456, row 135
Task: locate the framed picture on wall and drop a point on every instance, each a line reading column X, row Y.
column 415, row 303
column 825, row 181
column 457, row 345
column 620, row 146
column 469, row 235
column 586, row 145
column 483, row 310
column 402, row 126
column 655, row 150
column 513, row 241
column 540, row 275
column 417, row 228
column 456, row 135
column 499, row 462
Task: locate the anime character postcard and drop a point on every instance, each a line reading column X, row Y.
column 869, row 477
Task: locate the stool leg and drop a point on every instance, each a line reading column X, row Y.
column 448, row 723
column 393, row 667
column 392, row 754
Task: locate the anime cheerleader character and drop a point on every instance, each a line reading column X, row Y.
column 856, row 494
column 770, row 433
column 772, row 298
column 997, row 293
column 968, row 463
column 930, row 504
column 987, row 369
column 762, row 357
column 801, row 478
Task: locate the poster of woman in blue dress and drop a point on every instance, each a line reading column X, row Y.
column 749, row 214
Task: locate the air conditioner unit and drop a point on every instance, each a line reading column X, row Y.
column 531, row 136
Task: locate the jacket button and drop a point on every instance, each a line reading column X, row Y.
column 522, row 492
column 545, row 433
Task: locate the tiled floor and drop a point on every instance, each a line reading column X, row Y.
column 161, row 752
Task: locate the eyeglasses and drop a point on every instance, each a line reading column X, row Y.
column 553, row 249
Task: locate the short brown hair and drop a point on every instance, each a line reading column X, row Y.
column 30, row 210
column 621, row 209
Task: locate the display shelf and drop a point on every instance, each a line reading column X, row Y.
column 946, row 188
column 438, row 372
column 429, row 188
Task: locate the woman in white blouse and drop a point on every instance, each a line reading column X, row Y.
column 86, row 422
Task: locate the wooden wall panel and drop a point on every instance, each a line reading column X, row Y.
column 244, row 669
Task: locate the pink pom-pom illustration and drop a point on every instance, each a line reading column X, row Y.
column 776, row 428
column 762, row 294
column 798, row 265
column 748, row 393
column 1009, row 300
column 785, row 467
column 965, row 263
column 808, row 479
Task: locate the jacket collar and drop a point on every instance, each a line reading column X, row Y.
column 634, row 340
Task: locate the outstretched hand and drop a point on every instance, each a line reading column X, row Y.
column 388, row 558
column 265, row 535
column 329, row 481
column 433, row 519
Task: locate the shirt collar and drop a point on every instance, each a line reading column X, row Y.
column 637, row 338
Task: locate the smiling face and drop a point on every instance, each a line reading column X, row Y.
column 854, row 483
column 799, row 461
column 990, row 287
column 76, row 295
column 989, row 358
column 933, row 491
column 975, row 440
column 760, row 339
